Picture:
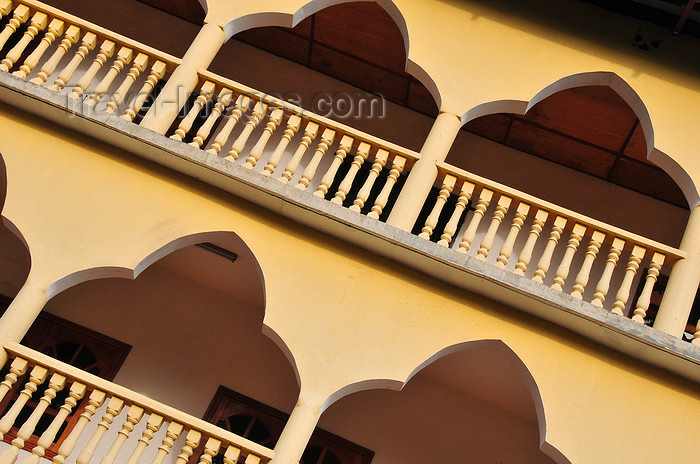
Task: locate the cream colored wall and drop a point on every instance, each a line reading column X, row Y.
column 345, row 314
column 479, row 52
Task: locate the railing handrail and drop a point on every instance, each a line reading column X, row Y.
column 170, row 60
column 672, row 254
column 341, row 128
column 131, row 397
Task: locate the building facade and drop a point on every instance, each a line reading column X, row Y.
column 337, row 232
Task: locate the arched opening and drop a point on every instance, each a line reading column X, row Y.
column 193, row 319
column 581, row 143
column 15, row 259
column 345, row 54
column 473, row 402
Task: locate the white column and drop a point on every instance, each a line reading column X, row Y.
column 21, row 314
column 297, row 432
column 683, row 282
column 184, row 79
column 423, row 174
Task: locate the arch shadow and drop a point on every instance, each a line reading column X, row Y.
column 287, row 20
column 6, row 222
column 508, row 354
column 630, row 97
column 103, row 272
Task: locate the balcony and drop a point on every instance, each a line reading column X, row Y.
column 229, row 130
column 509, row 236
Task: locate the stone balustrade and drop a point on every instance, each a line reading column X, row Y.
column 42, row 373
column 295, row 146
column 491, row 203
column 127, row 61
column 570, row 252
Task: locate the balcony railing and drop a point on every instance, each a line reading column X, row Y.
column 49, row 376
column 484, row 193
column 313, row 153
column 319, row 174
column 109, row 49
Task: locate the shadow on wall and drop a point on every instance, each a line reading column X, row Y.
column 472, row 402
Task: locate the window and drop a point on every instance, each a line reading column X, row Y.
column 73, row 344
column 263, row 424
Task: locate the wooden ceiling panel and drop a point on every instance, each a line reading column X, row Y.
column 595, row 114
column 493, row 126
column 279, row 41
column 359, row 73
column 647, row 179
column 637, row 146
column 363, row 29
column 560, row 149
column 421, row 100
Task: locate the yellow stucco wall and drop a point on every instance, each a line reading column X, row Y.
column 345, row 314
column 482, row 51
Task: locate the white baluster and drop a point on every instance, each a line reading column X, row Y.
column 19, row 17
column 310, row 133
column 562, row 271
column 584, row 274
column 139, row 65
column 222, row 101
column 95, row 400
column 38, row 23
column 640, row 312
column 535, row 231
column 252, row 459
column 293, row 126
column 380, row 159
column 501, row 209
column 465, row 195
column 36, row 378
column 71, row 36
column 156, row 74
column 152, row 426
column 54, row 29
column 191, row 442
column 604, row 283
column 75, row 393
column 124, row 56
column 206, row 92
column 623, row 293
column 133, row 416
column 211, row 449
column 231, row 455
column 114, row 407
column 481, row 205
column 509, row 243
column 327, row 139
column 546, row 258
column 89, row 42
column 343, row 148
column 259, row 111
column 171, row 434
column 448, row 184
column 346, row 184
column 5, row 8
column 17, row 368
column 397, row 166
column 240, row 107
column 106, row 51
column 56, row 384
column 256, row 152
